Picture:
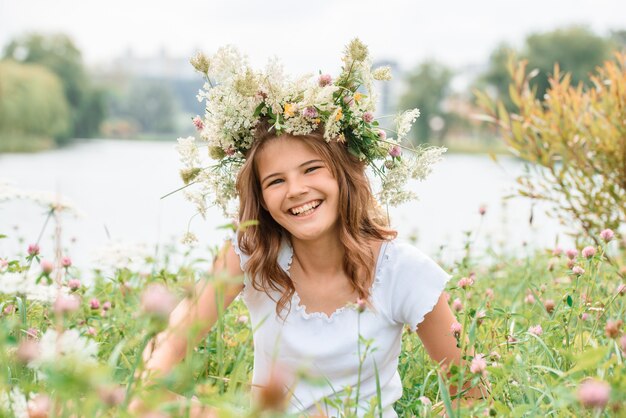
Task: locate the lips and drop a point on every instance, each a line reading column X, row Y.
column 305, row 209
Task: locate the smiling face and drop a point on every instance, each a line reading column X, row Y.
column 298, row 188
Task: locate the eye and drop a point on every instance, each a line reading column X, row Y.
column 273, row 182
column 311, row 169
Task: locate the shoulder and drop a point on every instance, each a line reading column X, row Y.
column 285, row 252
column 236, row 253
column 404, row 255
column 228, row 260
column 412, row 283
column 408, row 266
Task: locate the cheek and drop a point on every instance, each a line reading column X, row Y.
column 270, row 200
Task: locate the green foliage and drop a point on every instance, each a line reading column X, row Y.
column 32, row 104
column 428, row 86
column 618, row 37
column 575, row 49
column 575, row 141
column 59, row 54
column 528, row 373
column 496, row 79
column 152, row 105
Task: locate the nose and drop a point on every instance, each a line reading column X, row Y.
column 296, row 187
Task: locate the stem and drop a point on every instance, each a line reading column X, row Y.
column 142, row 347
column 179, row 189
column 43, row 228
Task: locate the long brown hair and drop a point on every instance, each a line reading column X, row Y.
column 360, row 219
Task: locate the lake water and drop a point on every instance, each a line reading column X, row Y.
column 118, row 184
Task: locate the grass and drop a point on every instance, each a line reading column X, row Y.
column 529, row 373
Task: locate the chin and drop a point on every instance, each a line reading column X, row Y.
column 312, row 233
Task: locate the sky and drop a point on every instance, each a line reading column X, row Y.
column 307, row 36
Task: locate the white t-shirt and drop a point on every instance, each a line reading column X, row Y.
column 320, row 352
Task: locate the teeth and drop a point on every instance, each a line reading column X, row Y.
column 305, row 208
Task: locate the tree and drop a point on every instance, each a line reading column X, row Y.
column 496, row 79
column 32, row 103
column 618, row 37
column 152, row 104
column 59, row 54
column 91, row 113
column 575, row 49
column 428, row 86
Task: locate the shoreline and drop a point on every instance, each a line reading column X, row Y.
column 33, row 146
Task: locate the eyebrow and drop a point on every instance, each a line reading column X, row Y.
column 301, row 165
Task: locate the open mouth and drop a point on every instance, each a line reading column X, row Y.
column 305, row 209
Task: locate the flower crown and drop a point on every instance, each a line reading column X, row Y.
column 237, row 98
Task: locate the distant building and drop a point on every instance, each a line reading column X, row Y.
column 161, row 66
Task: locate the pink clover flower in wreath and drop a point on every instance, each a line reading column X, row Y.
column 395, row 151
column 368, row 117
column 197, row 121
column 310, row 112
column 325, row 80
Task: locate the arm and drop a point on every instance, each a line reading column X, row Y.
column 200, row 308
column 439, row 342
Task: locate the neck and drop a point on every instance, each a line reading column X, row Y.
column 321, row 258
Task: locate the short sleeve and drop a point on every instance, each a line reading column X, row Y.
column 285, row 255
column 243, row 257
column 414, row 286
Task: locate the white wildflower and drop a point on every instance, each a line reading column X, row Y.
column 14, row 402
column 382, row 73
column 189, row 239
column 48, row 200
column 422, row 164
column 67, row 348
column 364, row 69
column 405, row 121
column 393, row 185
column 417, row 165
column 119, row 255
column 222, row 185
column 198, row 199
column 227, row 63
column 320, row 97
column 299, row 125
column 333, row 125
column 17, row 284
column 188, row 151
column 232, row 119
column 275, row 71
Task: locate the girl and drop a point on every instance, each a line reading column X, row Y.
column 328, row 286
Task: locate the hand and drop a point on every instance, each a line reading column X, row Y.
column 136, row 406
column 201, row 411
column 195, row 407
